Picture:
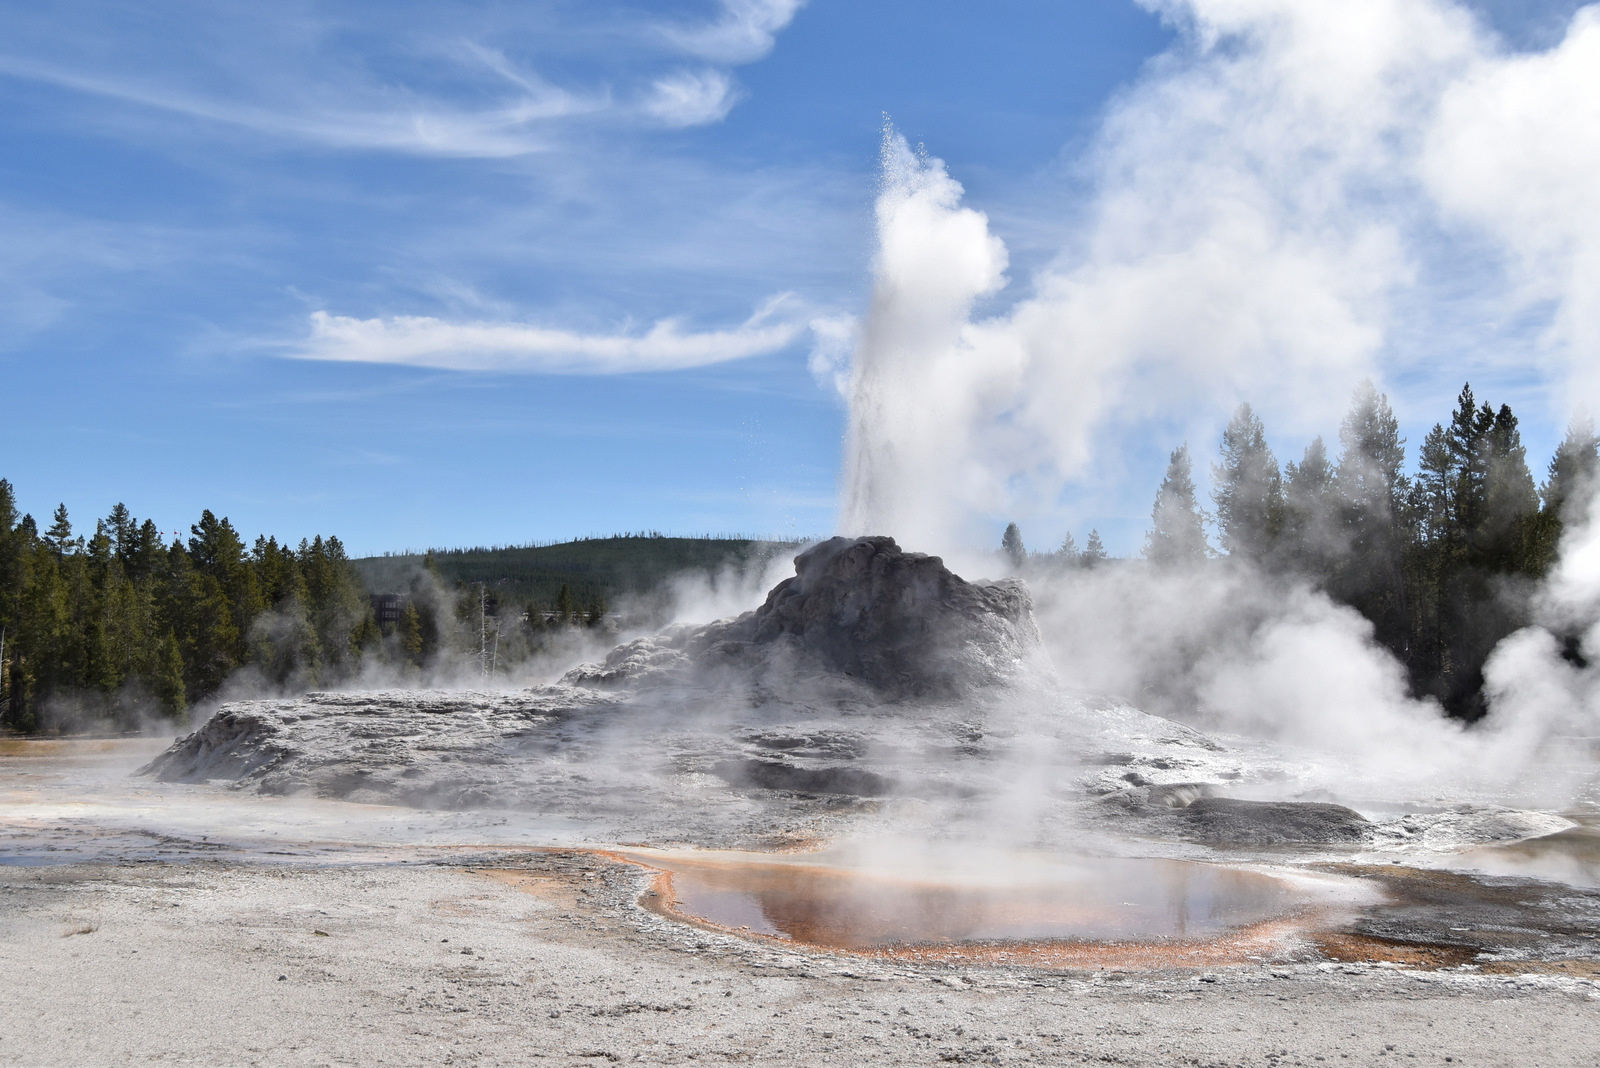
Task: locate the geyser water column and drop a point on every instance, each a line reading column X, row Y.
column 918, row 383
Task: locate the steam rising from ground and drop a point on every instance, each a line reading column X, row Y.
column 1299, row 196
column 521, row 658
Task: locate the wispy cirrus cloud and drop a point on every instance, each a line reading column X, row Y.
column 692, row 98
column 424, row 82
column 746, row 31
column 424, row 341
column 422, row 126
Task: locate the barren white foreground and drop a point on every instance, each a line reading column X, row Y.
column 424, row 965
column 146, row 922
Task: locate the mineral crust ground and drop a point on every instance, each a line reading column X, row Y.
column 546, row 958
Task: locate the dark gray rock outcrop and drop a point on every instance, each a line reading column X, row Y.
column 901, row 624
column 1194, row 811
column 779, row 775
column 766, row 702
column 1239, row 822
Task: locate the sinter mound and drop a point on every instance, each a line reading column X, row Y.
column 901, row 623
column 872, row 673
column 754, row 702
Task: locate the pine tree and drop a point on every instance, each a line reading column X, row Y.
column 1249, row 489
column 366, row 639
column 1011, row 544
column 12, row 547
column 1479, row 542
column 1470, row 423
column 147, row 554
column 1094, row 553
column 1574, row 474
column 1310, row 539
column 1371, row 492
column 564, row 607
column 210, row 635
column 1068, row 552
column 1567, row 495
column 1370, row 478
column 1433, row 506
column 1510, row 499
column 124, row 531
column 1177, row 534
column 411, row 634
column 168, row 681
column 59, row 536
column 47, row 658
column 218, row 554
column 335, row 602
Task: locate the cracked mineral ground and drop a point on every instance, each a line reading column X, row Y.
column 863, row 824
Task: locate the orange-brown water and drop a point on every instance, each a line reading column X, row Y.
column 1104, row 899
column 59, row 748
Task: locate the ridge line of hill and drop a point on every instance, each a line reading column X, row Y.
column 604, row 568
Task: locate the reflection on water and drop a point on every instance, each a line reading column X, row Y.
column 81, row 748
column 1098, row 899
column 1571, row 856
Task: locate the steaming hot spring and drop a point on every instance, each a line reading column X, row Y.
column 880, row 760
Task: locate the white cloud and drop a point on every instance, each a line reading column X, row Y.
column 1516, row 150
column 431, row 83
column 512, row 128
column 745, row 32
column 691, row 98
column 421, row 341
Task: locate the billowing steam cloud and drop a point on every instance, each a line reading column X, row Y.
column 1299, row 196
column 1276, row 205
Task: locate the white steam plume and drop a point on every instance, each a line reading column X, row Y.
column 1277, row 207
column 922, row 394
column 1267, row 202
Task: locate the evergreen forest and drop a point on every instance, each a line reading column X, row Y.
column 593, row 570
column 1443, row 559
column 122, row 628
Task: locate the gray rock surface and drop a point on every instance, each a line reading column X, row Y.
column 899, row 624
column 874, row 685
column 1236, row 821
column 863, row 676
column 428, row 749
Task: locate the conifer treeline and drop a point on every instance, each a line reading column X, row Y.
column 1443, row 562
column 120, row 624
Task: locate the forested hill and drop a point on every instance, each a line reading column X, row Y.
column 593, row 569
column 120, row 627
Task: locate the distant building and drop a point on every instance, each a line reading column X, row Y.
column 387, row 608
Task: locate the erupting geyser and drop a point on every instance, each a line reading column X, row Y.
column 771, row 699
column 901, row 623
column 872, row 673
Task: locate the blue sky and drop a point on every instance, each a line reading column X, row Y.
column 230, row 231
